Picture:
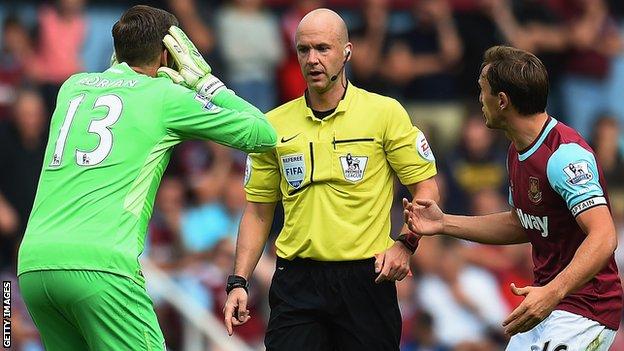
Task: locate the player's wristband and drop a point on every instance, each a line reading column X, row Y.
column 409, row 240
column 209, row 86
column 236, row 281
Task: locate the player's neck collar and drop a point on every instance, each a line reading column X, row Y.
column 530, row 150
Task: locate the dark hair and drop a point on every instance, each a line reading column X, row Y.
column 138, row 34
column 520, row 75
column 12, row 20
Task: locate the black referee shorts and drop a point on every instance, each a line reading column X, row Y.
column 331, row 306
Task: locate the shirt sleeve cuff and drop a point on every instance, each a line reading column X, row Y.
column 412, row 179
column 261, row 198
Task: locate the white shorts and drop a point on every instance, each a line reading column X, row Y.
column 564, row 331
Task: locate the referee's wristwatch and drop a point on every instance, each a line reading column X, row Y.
column 236, row 281
column 409, row 240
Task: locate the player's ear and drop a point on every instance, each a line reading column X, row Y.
column 165, row 59
column 503, row 101
column 347, row 51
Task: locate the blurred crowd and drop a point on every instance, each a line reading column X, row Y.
column 425, row 53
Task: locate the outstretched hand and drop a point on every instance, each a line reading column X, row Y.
column 423, row 216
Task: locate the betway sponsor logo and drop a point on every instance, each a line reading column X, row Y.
column 533, row 222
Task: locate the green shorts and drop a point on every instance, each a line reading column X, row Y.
column 90, row 310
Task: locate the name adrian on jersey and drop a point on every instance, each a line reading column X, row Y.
column 533, row 222
column 294, row 169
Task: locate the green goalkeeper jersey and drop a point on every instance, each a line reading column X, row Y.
column 111, row 138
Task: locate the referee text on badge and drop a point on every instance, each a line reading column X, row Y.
column 6, row 314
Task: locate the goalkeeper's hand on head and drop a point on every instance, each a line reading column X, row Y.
column 192, row 70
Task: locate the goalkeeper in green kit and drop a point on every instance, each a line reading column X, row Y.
column 110, row 140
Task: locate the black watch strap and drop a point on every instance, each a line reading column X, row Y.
column 236, row 281
column 410, row 241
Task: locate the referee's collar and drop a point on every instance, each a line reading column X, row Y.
column 343, row 104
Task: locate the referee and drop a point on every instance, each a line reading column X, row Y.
column 338, row 151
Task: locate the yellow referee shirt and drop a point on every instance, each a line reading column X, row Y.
column 334, row 175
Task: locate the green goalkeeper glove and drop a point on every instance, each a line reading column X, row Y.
column 193, row 71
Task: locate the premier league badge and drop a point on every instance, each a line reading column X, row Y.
column 294, row 169
column 578, row 173
column 353, row 167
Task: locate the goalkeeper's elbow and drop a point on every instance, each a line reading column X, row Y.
column 267, row 137
column 264, row 137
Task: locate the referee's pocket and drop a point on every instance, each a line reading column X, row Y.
column 353, row 160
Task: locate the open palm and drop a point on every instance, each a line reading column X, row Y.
column 423, row 216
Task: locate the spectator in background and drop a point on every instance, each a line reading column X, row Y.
column 617, row 8
column 369, row 37
column 234, row 201
column 422, row 335
column 420, row 62
column 207, row 189
column 197, row 20
column 22, row 145
column 478, row 33
column 62, row 29
column 511, row 263
column 463, row 299
column 165, row 250
column 474, row 165
column 534, row 26
column 189, row 16
column 290, row 81
column 9, row 222
column 605, row 140
column 250, row 41
column 15, row 54
column 594, row 40
column 164, row 245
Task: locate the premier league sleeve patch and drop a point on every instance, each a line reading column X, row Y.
column 353, row 167
column 578, row 173
column 207, row 104
column 294, row 169
column 573, row 173
column 424, row 150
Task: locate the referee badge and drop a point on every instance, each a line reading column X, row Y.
column 424, row 150
column 353, row 167
column 294, row 169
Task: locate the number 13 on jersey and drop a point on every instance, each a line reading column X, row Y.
column 100, row 127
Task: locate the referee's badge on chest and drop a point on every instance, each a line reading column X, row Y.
column 353, row 167
column 294, row 169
